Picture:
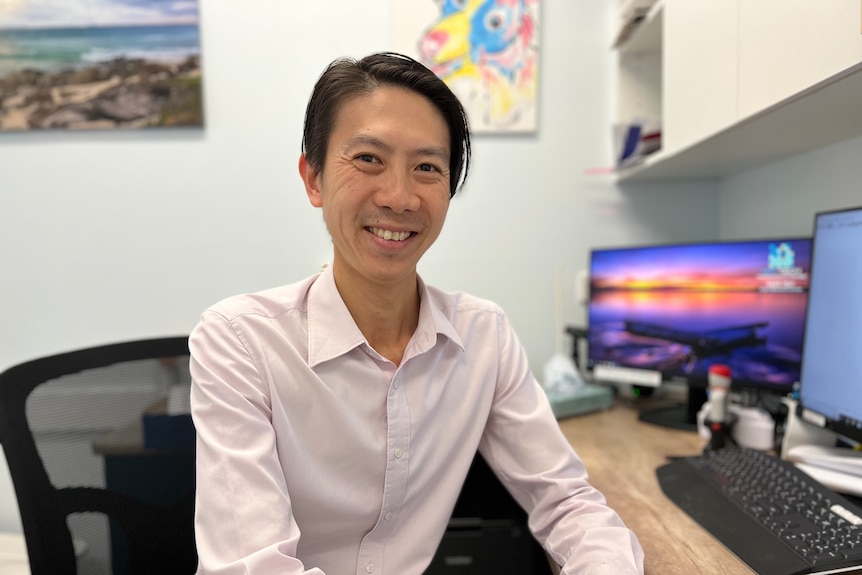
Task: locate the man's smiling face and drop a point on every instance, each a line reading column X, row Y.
column 384, row 187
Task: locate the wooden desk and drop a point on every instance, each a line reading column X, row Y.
column 13, row 554
column 621, row 455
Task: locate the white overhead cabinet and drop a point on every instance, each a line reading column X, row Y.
column 738, row 83
column 700, row 70
column 787, row 46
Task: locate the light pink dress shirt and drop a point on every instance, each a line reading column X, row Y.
column 316, row 455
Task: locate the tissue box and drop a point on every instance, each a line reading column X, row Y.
column 587, row 398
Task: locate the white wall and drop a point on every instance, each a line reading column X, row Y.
column 782, row 198
column 112, row 236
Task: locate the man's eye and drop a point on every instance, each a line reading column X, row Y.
column 366, row 158
column 428, row 168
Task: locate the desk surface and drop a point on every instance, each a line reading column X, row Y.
column 621, row 454
column 13, row 554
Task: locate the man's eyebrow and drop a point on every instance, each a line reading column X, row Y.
column 435, row 151
column 375, row 142
column 366, row 140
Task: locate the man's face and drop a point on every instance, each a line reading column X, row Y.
column 384, row 187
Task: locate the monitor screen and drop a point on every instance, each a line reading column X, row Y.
column 830, row 394
column 669, row 312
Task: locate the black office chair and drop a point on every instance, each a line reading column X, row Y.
column 98, row 494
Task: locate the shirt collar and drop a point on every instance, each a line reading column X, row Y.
column 332, row 331
column 432, row 321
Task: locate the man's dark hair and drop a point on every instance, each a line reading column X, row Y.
column 345, row 78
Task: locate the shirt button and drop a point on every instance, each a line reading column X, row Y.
column 388, row 516
column 398, row 452
column 370, row 568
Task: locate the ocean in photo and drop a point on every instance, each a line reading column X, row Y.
column 55, row 49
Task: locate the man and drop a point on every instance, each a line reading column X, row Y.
column 337, row 417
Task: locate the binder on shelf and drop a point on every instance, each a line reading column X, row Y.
column 635, row 141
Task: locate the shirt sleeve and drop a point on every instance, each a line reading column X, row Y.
column 243, row 518
column 523, row 443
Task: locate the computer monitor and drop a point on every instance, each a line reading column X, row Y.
column 666, row 313
column 830, row 393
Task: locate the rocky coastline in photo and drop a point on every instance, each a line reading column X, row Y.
column 120, row 93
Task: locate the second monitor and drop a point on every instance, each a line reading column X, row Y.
column 666, row 313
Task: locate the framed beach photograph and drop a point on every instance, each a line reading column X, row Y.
column 487, row 51
column 99, row 64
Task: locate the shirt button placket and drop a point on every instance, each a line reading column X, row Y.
column 398, row 438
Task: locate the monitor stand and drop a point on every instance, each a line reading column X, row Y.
column 682, row 416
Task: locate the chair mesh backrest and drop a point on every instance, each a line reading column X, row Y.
column 121, row 499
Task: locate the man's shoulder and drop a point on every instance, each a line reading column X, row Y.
column 270, row 302
column 450, row 302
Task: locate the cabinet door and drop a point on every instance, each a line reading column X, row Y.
column 787, row 46
column 700, row 70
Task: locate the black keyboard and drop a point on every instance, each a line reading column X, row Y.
column 767, row 512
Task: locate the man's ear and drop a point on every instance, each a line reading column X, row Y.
column 311, row 179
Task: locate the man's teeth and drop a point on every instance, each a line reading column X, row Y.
column 390, row 235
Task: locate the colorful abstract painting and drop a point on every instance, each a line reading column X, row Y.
column 485, row 50
column 99, row 64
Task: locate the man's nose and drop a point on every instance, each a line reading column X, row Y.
column 398, row 193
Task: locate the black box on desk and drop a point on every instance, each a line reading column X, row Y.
column 487, row 532
column 483, row 546
column 168, row 432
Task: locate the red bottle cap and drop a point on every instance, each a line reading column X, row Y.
column 720, row 369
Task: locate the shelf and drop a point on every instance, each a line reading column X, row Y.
column 642, row 36
column 826, row 113
column 647, row 35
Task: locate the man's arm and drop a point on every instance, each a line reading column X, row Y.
column 243, row 518
column 523, row 443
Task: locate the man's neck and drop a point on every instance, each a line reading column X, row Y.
column 386, row 314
